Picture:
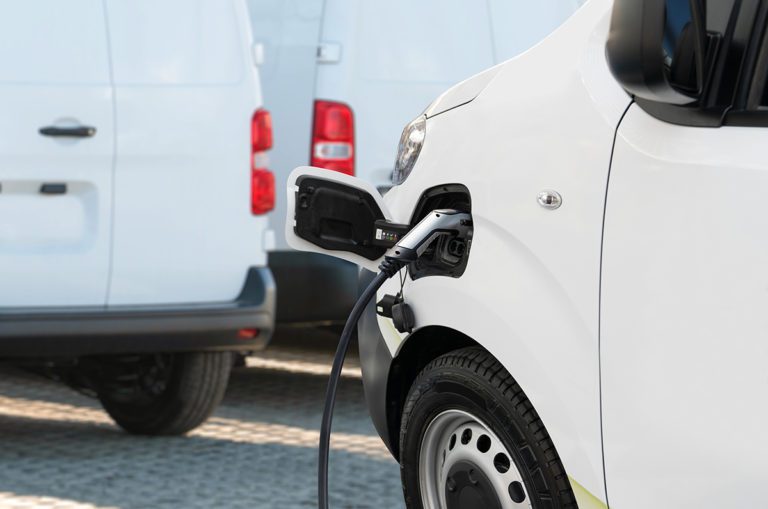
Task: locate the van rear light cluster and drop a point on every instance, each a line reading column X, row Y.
column 333, row 137
column 262, row 180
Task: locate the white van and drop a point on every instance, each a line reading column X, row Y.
column 132, row 207
column 603, row 338
column 343, row 76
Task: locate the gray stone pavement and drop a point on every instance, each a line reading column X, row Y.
column 59, row 450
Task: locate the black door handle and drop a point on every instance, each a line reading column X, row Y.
column 69, row 132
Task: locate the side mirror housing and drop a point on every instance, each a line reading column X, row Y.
column 656, row 49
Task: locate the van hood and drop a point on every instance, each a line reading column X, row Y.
column 463, row 92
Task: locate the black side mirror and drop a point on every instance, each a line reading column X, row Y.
column 656, row 49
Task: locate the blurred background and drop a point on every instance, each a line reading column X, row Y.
column 146, row 282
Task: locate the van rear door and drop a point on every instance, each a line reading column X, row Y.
column 186, row 91
column 56, row 153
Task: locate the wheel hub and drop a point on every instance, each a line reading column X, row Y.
column 463, row 464
column 467, row 487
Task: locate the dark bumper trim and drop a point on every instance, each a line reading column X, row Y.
column 88, row 330
column 376, row 362
column 314, row 288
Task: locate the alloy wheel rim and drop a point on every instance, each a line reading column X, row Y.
column 463, row 462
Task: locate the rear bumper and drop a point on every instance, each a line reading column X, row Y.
column 45, row 332
column 314, row 288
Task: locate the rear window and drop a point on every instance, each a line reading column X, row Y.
column 53, row 42
column 175, row 42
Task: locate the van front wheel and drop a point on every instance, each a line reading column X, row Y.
column 163, row 394
column 470, row 438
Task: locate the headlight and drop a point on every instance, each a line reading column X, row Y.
column 408, row 150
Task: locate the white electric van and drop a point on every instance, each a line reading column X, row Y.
column 343, row 76
column 602, row 334
column 133, row 232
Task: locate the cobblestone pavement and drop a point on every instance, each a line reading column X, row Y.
column 59, row 450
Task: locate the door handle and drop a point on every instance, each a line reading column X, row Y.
column 68, row 132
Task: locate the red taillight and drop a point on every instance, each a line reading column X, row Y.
column 261, row 131
column 262, row 180
column 333, row 137
column 247, row 333
column 262, row 191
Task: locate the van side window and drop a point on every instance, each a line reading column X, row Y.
column 53, row 42
column 746, row 73
column 758, row 97
column 679, row 47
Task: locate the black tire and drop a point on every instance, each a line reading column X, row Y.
column 471, row 380
column 188, row 389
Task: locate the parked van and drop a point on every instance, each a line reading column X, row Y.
column 343, row 76
column 133, row 232
column 601, row 335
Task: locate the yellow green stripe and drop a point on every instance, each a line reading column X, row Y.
column 584, row 498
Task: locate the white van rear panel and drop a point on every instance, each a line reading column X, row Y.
column 185, row 91
column 54, row 246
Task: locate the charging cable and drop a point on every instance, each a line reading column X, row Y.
column 409, row 249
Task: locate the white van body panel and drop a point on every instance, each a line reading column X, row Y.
column 126, row 223
column 530, row 292
column 463, row 92
column 185, row 95
column 55, row 248
column 685, row 296
column 156, row 208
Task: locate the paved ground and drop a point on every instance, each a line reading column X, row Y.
column 59, row 450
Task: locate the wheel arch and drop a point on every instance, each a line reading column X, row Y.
column 419, row 349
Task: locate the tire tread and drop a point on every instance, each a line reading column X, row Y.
column 483, row 365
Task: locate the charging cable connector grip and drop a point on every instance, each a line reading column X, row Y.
column 435, row 224
column 387, row 233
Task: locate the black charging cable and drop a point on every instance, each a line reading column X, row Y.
column 388, row 268
column 413, row 245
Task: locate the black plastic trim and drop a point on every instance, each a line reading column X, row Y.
column 747, row 118
column 681, row 115
column 336, row 217
column 53, row 188
column 375, row 361
column 756, row 89
column 314, row 288
column 122, row 329
column 68, row 132
column 635, row 49
column 746, row 27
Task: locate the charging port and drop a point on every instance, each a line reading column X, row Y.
column 457, row 248
column 448, row 256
